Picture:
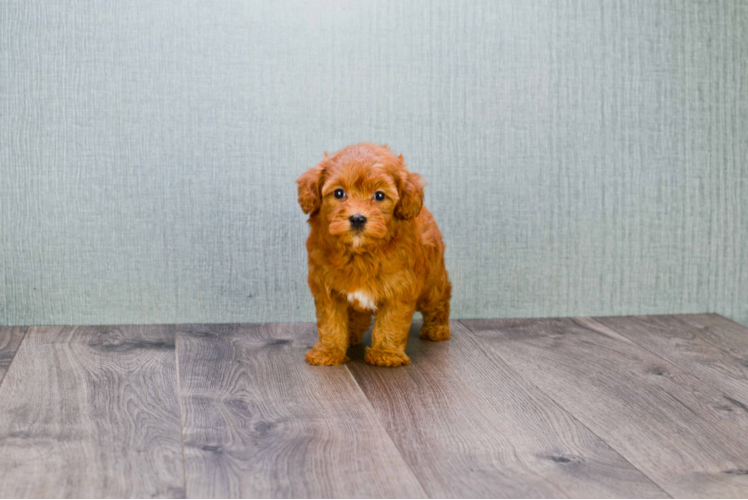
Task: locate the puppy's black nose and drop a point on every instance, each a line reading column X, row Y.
column 357, row 220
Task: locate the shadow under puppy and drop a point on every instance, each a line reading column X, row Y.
column 373, row 249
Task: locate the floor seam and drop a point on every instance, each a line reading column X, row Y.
column 181, row 411
column 699, row 329
column 13, row 358
column 381, row 424
column 572, row 415
column 705, row 383
column 741, row 325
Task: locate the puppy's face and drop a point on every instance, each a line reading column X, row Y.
column 360, row 193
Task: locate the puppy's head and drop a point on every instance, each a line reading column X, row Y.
column 360, row 193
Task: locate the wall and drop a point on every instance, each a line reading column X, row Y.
column 583, row 157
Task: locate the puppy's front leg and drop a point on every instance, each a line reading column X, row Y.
column 332, row 326
column 390, row 335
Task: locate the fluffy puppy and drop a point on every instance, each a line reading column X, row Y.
column 373, row 249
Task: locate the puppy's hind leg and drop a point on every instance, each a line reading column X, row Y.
column 435, row 310
column 358, row 323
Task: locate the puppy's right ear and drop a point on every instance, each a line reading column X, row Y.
column 310, row 186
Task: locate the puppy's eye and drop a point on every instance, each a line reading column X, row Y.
column 339, row 194
column 379, row 196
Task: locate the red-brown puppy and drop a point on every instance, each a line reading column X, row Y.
column 373, row 249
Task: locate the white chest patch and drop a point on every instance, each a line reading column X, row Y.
column 364, row 300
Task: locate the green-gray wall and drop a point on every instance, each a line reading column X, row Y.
column 584, row 157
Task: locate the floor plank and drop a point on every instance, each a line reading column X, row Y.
column 721, row 331
column 92, row 412
column 10, row 340
column 260, row 422
column 689, row 440
column 707, row 351
column 469, row 426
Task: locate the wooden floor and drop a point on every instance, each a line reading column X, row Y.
column 653, row 406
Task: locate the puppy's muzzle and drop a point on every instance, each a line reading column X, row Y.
column 357, row 221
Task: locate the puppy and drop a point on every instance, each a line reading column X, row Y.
column 373, row 249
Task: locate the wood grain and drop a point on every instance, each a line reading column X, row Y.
column 260, row 422
column 720, row 331
column 92, row 412
column 469, row 426
column 10, row 340
column 709, row 352
column 684, row 435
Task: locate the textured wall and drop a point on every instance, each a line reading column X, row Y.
column 584, row 157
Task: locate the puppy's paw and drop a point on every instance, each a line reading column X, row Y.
column 386, row 358
column 435, row 331
column 324, row 356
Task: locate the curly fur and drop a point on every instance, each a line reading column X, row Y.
column 391, row 267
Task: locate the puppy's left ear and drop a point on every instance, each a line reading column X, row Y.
column 310, row 185
column 411, row 195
